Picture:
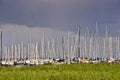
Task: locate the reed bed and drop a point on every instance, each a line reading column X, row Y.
column 62, row 72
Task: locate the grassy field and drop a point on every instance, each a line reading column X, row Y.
column 62, row 72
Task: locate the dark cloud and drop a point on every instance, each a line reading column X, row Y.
column 61, row 14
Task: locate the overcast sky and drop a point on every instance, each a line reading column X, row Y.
column 62, row 14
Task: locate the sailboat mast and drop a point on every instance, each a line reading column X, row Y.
column 63, row 47
column 12, row 47
column 68, row 44
column 36, row 51
column 97, row 42
column 30, row 45
column 79, row 41
column 1, row 45
column 43, row 52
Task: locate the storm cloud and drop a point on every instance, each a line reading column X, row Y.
column 61, row 14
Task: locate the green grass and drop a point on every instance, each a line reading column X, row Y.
column 62, row 72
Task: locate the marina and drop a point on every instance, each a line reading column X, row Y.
column 82, row 47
